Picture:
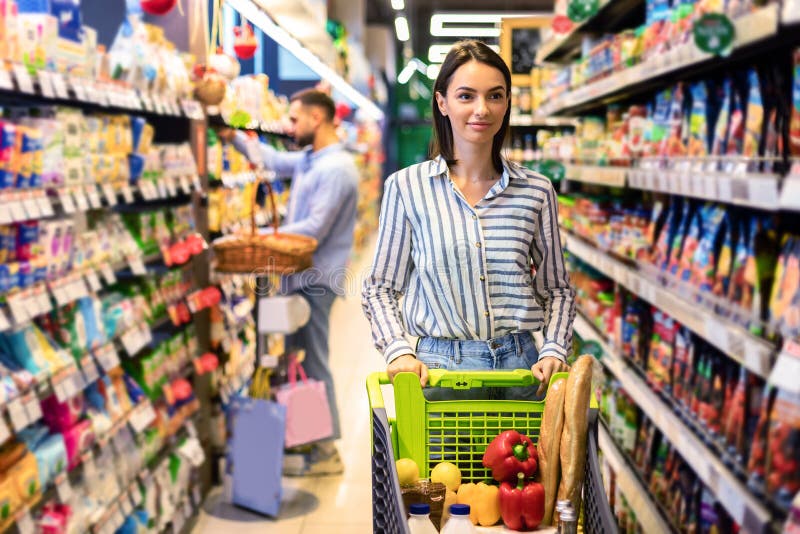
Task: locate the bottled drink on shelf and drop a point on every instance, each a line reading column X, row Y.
column 459, row 522
column 419, row 521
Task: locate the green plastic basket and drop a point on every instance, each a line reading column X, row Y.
column 456, row 431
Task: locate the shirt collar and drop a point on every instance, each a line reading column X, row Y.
column 438, row 167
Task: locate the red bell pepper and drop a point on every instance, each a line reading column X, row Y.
column 511, row 453
column 522, row 507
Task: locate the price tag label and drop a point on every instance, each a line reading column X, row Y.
column 787, row 366
column 108, row 357
column 717, row 334
column 142, row 416
column 137, row 265
column 186, row 186
column 25, row 523
column 110, row 195
column 5, row 213
column 108, row 274
column 161, row 189
column 147, row 102
column 731, row 497
column 59, row 291
column 5, row 432
column 63, row 488
column 32, row 407
column 19, row 312
column 17, row 208
column 127, row 194
column 45, row 207
column 94, row 197
column 133, row 341
column 31, row 207
column 59, row 85
column 80, row 199
column 46, row 84
column 59, row 387
column 171, row 188
column 5, row 79
column 89, row 369
column 93, row 281
column 43, row 301
column 78, row 88
column 66, row 202
column 17, row 414
column 24, row 80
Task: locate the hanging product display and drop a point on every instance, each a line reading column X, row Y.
column 244, row 42
column 158, row 7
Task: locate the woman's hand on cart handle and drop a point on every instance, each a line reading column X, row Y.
column 408, row 363
column 544, row 369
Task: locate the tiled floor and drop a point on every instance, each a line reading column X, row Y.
column 324, row 505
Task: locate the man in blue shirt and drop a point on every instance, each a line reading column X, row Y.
column 322, row 205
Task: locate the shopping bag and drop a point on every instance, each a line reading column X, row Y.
column 257, row 453
column 308, row 414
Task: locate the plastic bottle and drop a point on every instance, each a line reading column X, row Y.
column 419, row 521
column 459, row 522
column 568, row 520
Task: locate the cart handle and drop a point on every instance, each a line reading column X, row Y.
column 458, row 380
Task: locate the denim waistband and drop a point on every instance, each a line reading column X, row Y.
column 516, row 342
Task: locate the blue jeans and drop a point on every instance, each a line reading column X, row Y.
column 313, row 337
column 512, row 351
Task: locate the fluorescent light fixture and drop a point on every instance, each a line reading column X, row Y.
column 406, row 73
column 261, row 20
column 401, row 27
column 433, row 70
column 398, row 4
column 488, row 21
column 437, row 52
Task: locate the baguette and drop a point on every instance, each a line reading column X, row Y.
column 576, row 426
column 548, row 446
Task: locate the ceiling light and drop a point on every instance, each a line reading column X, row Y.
column 433, row 71
column 401, row 27
column 488, row 21
column 406, row 73
column 261, row 20
column 398, row 4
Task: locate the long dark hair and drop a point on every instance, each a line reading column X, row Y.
column 461, row 53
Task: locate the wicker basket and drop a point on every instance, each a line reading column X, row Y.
column 210, row 90
column 276, row 253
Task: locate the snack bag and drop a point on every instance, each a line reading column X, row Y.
column 721, row 125
column 676, row 240
column 662, row 350
column 784, row 307
column 702, row 267
column 690, row 244
column 722, row 272
column 755, row 117
column 757, row 463
column 783, row 442
column 698, row 126
column 660, row 254
column 682, row 360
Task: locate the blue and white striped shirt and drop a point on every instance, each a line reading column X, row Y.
column 466, row 272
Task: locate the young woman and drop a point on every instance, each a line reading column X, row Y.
column 459, row 237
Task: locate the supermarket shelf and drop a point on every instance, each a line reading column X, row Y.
column 597, row 175
column 790, row 191
column 744, row 507
column 612, row 16
column 53, row 88
column 540, row 122
column 636, row 493
column 661, row 69
column 273, row 128
column 750, row 351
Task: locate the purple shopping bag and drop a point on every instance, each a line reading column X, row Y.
column 308, row 414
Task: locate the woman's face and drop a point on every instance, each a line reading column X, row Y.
column 475, row 103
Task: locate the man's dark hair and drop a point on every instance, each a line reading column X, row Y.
column 313, row 97
column 461, row 53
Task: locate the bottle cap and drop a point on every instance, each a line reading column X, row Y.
column 568, row 515
column 420, row 509
column 459, row 509
column 564, row 503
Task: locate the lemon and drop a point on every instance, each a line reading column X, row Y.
column 448, row 474
column 407, row 471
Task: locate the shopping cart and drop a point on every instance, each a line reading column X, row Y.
column 459, row 431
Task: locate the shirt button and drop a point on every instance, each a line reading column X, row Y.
column 486, row 313
column 483, row 278
column 478, row 244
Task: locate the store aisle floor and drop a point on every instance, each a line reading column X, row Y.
column 325, row 505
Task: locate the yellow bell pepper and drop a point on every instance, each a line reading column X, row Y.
column 483, row 501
